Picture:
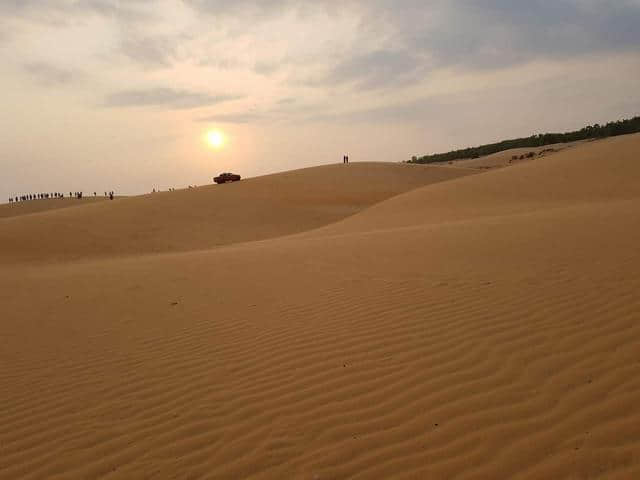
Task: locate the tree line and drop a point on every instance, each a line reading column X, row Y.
column 611, row 129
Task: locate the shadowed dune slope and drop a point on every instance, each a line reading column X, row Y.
column 37, row 206
column 204, row 217
column 486, row 328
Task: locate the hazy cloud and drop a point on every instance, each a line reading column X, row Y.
column 497, row 33
column 256, row 8
column 266, row 68
column 50, row 75
column 393, row 41
column 242, row 117
column 63, row 11
column 283, row 110
column 220, row 63
column 377, row 69
column 165, row 97
column 150, row 51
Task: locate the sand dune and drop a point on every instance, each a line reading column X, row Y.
column 484, row 327
column 597, row 172
column 37, row 206
column 505, row 158
column 204, row 217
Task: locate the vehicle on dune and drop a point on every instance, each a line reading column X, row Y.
column 227, row 177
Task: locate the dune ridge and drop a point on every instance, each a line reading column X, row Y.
column 214, row 215
column 484, row 327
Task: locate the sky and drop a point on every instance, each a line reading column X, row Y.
column 101, row 95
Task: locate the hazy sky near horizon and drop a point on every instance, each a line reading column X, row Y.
column 118, row 94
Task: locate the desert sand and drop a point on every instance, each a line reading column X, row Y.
column 37, row 206
column 505, row 158
column 204, row 217
column 346, row 321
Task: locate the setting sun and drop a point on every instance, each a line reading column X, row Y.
column 215, row 138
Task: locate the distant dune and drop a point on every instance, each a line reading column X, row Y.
column 506, row 157
column 37, row 206
column 393, row 321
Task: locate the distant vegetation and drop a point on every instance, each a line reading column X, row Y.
column 611, row 129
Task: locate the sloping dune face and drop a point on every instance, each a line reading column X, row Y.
column 215, row 215
column 37, row 206
column 592, row 174
column 486, row 327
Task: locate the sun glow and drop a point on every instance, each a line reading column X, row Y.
column 215, row 138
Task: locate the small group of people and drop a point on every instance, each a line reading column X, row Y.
column 170, row 189
column 345, row 159
column 35, row 196
column 45, row 196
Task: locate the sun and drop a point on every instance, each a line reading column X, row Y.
column 215, row 138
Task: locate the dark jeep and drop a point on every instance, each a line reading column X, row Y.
column 227, row 177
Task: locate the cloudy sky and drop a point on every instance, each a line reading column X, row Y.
column 119, row 94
